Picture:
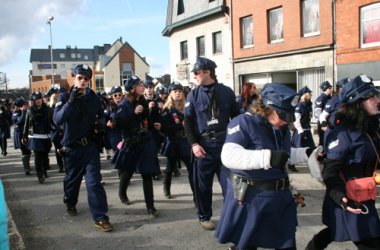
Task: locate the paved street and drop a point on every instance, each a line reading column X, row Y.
column 41, row 220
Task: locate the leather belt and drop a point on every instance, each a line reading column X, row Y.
column 269, row 185
column 212, row 134
column 81, row 142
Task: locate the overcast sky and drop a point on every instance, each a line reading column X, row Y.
column 81, row 23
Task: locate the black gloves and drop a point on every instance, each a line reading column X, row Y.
column 74, row 94
column 323, row 124
column 309, row 151
column 278, row 159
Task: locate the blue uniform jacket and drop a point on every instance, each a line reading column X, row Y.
column 78, row 118
column 332, row 107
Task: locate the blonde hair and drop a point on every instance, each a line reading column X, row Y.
column 305, row 97
column 171, row 103
column 53, row 100
column 258, row 107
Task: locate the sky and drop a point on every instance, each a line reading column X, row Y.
column 81, row 23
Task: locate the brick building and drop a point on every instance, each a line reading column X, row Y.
column 111, row 64
column 358, row 38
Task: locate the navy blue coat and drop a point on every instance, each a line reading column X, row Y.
column 18, row 119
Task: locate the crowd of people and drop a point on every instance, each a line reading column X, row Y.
column 249, row 142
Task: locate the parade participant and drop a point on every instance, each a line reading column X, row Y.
column 175, row 146
column 302, row 135
column 79, row 113
column 208, row 110
column 113, row 132
column 249, row 93
column 259, row 209
column 352, row 150
column 327, row 118
column 18, row 118
column 320, row 104
column 155, row 110
column 138, row 151
column 56, row 133
column 36, row 134
column 5, row 125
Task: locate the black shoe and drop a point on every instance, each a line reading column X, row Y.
column 292, row 168
column 5, row 153
column 41, row 180
column 125, row 201
column 176, row 173
column 72, row 211
column 46, row 175
column 158, row 177
column 153, row 211
column 27, row 172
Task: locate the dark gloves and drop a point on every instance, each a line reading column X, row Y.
column 74, row 94
column 309, row 151
column 323, row 124
column 278, row 159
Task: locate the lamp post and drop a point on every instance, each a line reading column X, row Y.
column 51, row 51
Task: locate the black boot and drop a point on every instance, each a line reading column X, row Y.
column 26, row 164
column 292, row 168
column 4, row 146
column 125, row 178
column 167, row 184
column 148, row 194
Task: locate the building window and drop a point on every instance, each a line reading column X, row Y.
column 276, row 26
column 85, row 57
column 183, row 49
column 310, row 18
column 73, row 55
column 370, row 25
column 99, row 83
column 201, row 46
column 217, row 42
column 78, row 55
column 246, row 30
column 61, row 55
column 180, row 8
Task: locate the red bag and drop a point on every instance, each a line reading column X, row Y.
column 361, row 189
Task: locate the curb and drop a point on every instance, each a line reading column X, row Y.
column 15, row 239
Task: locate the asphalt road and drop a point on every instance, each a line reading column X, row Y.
column 40, row 219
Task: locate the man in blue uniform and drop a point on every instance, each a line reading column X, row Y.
column 320, row 103
column 79, row 113
column 208, row 110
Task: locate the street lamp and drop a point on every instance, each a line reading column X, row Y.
column 51, row 51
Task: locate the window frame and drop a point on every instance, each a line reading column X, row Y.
column 271, row 16
column 362, row 23
column 180, row 7
column 306, row 14
column 184, row 53
column 215, row 40
column 201, row 48
column 243, row 31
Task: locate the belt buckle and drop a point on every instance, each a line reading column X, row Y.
column 211, row 135
column 84, row 141
column 282, row 181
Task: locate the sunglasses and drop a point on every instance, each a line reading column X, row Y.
column 117, row 95
column 80, row 78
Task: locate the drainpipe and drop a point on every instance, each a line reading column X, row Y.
column 334, row 40
column 232, row 48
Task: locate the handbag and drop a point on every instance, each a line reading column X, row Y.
column 362, row 189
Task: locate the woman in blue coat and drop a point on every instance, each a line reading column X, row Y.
column 113, row 132
column 352, row 150
column 259, row 208
column 38, row 122
column 138, row 150
column 175, row 146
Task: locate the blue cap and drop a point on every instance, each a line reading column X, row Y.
column 36, row 95
column 116, row 89
column 19, row 102
column 204, row 63
column 82, row 69
column 342, row 82
column 280, row 98
column 325, row 85
column 303, row 90
column 132, row 81
column 161, row 90
column 360, row 87
column 175, row 85
column 148, row 83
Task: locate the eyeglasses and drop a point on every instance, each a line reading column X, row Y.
column 80, row 78
column 117, row 95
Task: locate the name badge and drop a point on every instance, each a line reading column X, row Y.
column 212, row 122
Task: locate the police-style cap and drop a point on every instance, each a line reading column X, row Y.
column 36, row 95
column 175, row 85
column 116, row 89
column 360, row 87
column 82, row 69
column 19, row 102
column 148, row 83
column 280, row 98
column 52, row 90
column 204, row 63
column 161, row 90
column 325, row 85
column 342, row 82
column 132, row 81
column 303, row 90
